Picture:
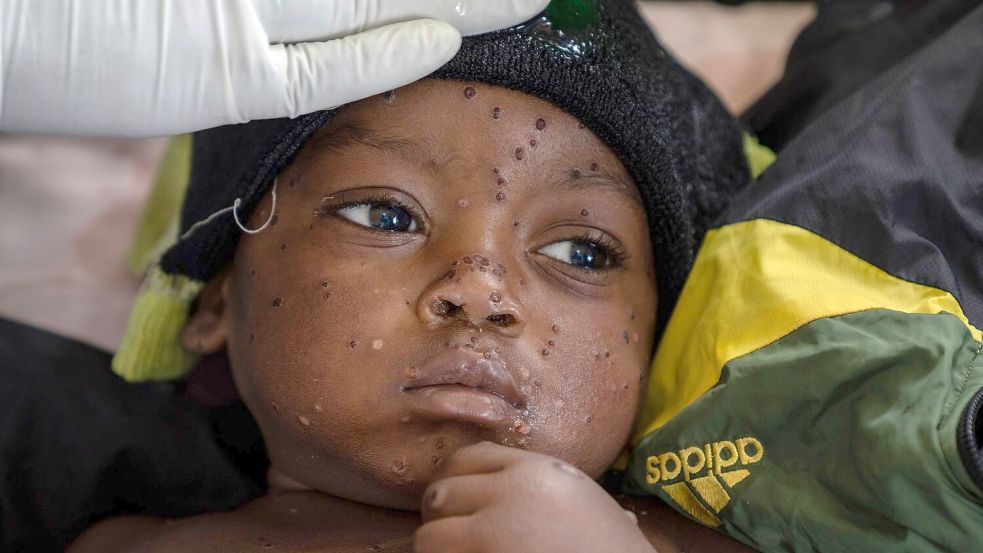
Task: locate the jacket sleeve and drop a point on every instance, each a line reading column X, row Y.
column 852, row 433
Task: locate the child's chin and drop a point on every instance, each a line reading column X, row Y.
column 402, row 493
column 406, row 472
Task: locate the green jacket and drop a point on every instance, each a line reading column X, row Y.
column 819, row 386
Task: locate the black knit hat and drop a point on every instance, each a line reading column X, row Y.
column 595, row 59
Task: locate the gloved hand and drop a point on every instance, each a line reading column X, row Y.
column 156, row 67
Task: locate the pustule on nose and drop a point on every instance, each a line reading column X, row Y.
column 447, row 309
column 475, row 291
column 444, row 308
column 502, row 319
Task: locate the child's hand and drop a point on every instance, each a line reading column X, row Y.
column 490, row 498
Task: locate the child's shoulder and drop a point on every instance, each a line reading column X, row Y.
column 307, row 521
column 291, row 521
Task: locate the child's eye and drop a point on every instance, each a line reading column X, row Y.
column 381, row 216
column 579, row 253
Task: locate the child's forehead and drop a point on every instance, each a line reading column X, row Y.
column 463, row 97
column 439, row 124
column 435, row 110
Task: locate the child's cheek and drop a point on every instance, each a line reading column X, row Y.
column 589, row 385
column 312, row 348
column 297, row 321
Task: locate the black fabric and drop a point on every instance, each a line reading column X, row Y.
column 682, row 148
column 894, row 173
column 231, row 162
column 79, row 444
column 849, row 44
column 970, row 438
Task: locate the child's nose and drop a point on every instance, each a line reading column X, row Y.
column 476, row 292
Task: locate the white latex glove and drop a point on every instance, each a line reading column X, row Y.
column 156, row 67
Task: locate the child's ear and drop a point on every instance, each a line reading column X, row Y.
column 206, row 329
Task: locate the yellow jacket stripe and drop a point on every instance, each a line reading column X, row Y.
column 754, row 282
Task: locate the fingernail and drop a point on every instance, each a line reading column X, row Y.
column 434, row 498
column 631, row 516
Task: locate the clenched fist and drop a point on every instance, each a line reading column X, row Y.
column 489, row 498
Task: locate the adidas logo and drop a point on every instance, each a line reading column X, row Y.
column 702, row 470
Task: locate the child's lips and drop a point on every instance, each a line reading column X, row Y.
column 462, row 403
column 465, row 385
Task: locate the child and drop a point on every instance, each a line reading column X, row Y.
column 468, row 263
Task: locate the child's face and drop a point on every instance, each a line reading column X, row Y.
column 451, row 264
